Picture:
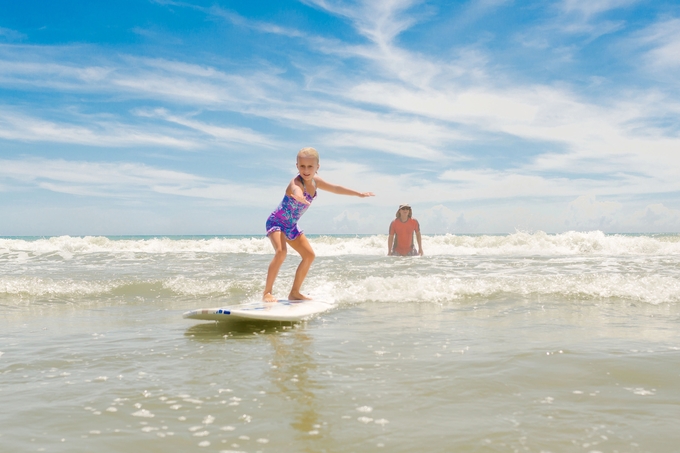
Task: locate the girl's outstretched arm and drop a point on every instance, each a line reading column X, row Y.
column 340, row 190
column 295, row 191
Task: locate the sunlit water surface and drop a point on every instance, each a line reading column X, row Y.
column 524, row 342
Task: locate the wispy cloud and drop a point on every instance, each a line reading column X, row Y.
column 183, row 85
column 260, row 26
column 31, row 67
column 415, row 149
column 219, row 133
column 97, row 132
column 663, row 42
column 554, row 115
column 379, row 21
column 452, row 126
column 590, row 8
column 572, row 25
column 474, row 10
column 124, row 180
column 589, row 17
column 11, row 35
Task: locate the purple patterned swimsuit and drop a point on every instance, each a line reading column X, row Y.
column 287, row 214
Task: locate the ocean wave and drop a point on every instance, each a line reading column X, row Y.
column 653, row 289
column 49, row 287
column 35, row 287
column 569, row 243
column 68, row 246
column 518, row 243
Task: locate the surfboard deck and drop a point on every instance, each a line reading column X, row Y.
column 282, row 310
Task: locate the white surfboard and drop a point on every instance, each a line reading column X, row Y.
column 282, row 310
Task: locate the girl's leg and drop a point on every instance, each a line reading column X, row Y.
column 278, row 241
column 302, row 246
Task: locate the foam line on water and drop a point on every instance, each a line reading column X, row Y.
column 653, row 289
column 518, row 243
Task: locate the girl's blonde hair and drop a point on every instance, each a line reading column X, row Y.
column 309, row 152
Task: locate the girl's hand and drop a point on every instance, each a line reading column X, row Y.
column 366, row 194
column 296, row 192
column 300, row 198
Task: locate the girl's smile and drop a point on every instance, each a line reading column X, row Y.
column 307, row 166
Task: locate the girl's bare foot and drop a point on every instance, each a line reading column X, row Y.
column 267, row 297
column 298, row 296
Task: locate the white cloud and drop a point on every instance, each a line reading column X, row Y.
column 441, row 219
column 664, row 39
column 572, row 26
column 657, row 217
column 347, row 221
column 585, row 17
column 220, row 133
column 553, row 115
column 478, row 106
column 149, row 78
column 587, row 213
column 265, row 27
column 380, row 21
column 11, row 35
column 98, row 132
column 474, row 10
column 124, row 180
column 255, row 94
column 426, row 121
column 375, row 96
column 408, row 148
column 589, row 8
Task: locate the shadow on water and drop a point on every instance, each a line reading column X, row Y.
column 238, row 329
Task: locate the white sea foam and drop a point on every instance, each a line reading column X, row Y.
column 518, row 243
column 354, row 270
column 37, row 286
column 202, row 287
column 650, row 288
column 68, row 246
column 654, row 289
column 542, row 244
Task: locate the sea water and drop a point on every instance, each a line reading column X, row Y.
column 526, row 342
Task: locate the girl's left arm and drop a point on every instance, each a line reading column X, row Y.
column 340, row 190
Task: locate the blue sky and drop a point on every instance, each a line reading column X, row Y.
column 184, row 117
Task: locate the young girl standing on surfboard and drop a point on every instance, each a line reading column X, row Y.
column 282, row 223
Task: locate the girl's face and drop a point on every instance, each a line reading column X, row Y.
column 307, row 166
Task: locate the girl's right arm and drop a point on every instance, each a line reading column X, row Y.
column 295, row 191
